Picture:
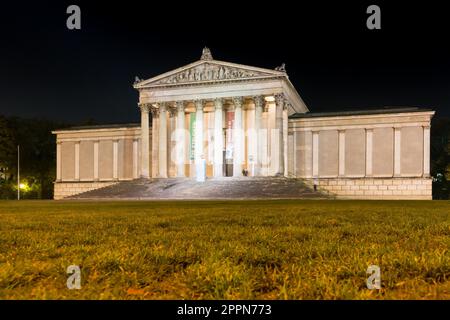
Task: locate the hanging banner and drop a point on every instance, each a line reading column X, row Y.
column 229, row 134
column 192, row 117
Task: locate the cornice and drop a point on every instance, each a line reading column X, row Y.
column 213, row 82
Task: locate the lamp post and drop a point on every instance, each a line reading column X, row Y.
column 18, row 172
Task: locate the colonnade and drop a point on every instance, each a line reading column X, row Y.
column 175, row 112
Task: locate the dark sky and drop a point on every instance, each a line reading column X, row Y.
column 333, row 60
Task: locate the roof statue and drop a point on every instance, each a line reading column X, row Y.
column 206, row 54
column 281, row 68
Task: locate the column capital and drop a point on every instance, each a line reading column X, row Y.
column 145, row 107
column 426, row 126
column 238, row 101
column 286, row 105
column 199, row 104
column 218, row 103
column 179, row 105
column 259, row 101
column 172, row 111
column 280, row 99
column 154, row 111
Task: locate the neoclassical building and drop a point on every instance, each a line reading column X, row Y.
column 222, row 119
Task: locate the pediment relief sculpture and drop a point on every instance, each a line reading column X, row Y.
column 209, row 72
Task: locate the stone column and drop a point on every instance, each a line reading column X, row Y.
column 162, row 160
column 259, row 104
column 77, row 160
column 155, row 145
column 237, row 137
column 180, row 152
column 397, row 151
column 426, row 151
column 198, row 141
column 171, row 138
column 279, row 100
column 285, row 139
column 145, row 152
column 58, row 161
column 265, row 137
column 218, row 137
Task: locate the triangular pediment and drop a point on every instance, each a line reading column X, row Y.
column 209, row 71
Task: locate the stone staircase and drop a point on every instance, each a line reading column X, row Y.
column 214, row 188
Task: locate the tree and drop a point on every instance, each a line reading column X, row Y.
column 447, row 152
column 7, row 155
column 7, row 144
column 37, row 154
column 440, row 157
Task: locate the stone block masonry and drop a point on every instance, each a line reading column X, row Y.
column 376, row 188
column 67, row 189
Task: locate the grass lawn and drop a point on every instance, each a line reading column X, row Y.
column 225, row 250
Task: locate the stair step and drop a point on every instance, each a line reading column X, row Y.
column 217, row 188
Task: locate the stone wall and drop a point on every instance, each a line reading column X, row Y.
column 67, row 189
column 89, row 158
column 375, row 188
column 368, row 156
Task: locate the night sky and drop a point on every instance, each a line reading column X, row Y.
column 333, row 60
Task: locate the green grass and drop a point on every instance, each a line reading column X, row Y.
column 225, row 250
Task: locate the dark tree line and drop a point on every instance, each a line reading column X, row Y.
column 37, row 157
column 440, row 157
